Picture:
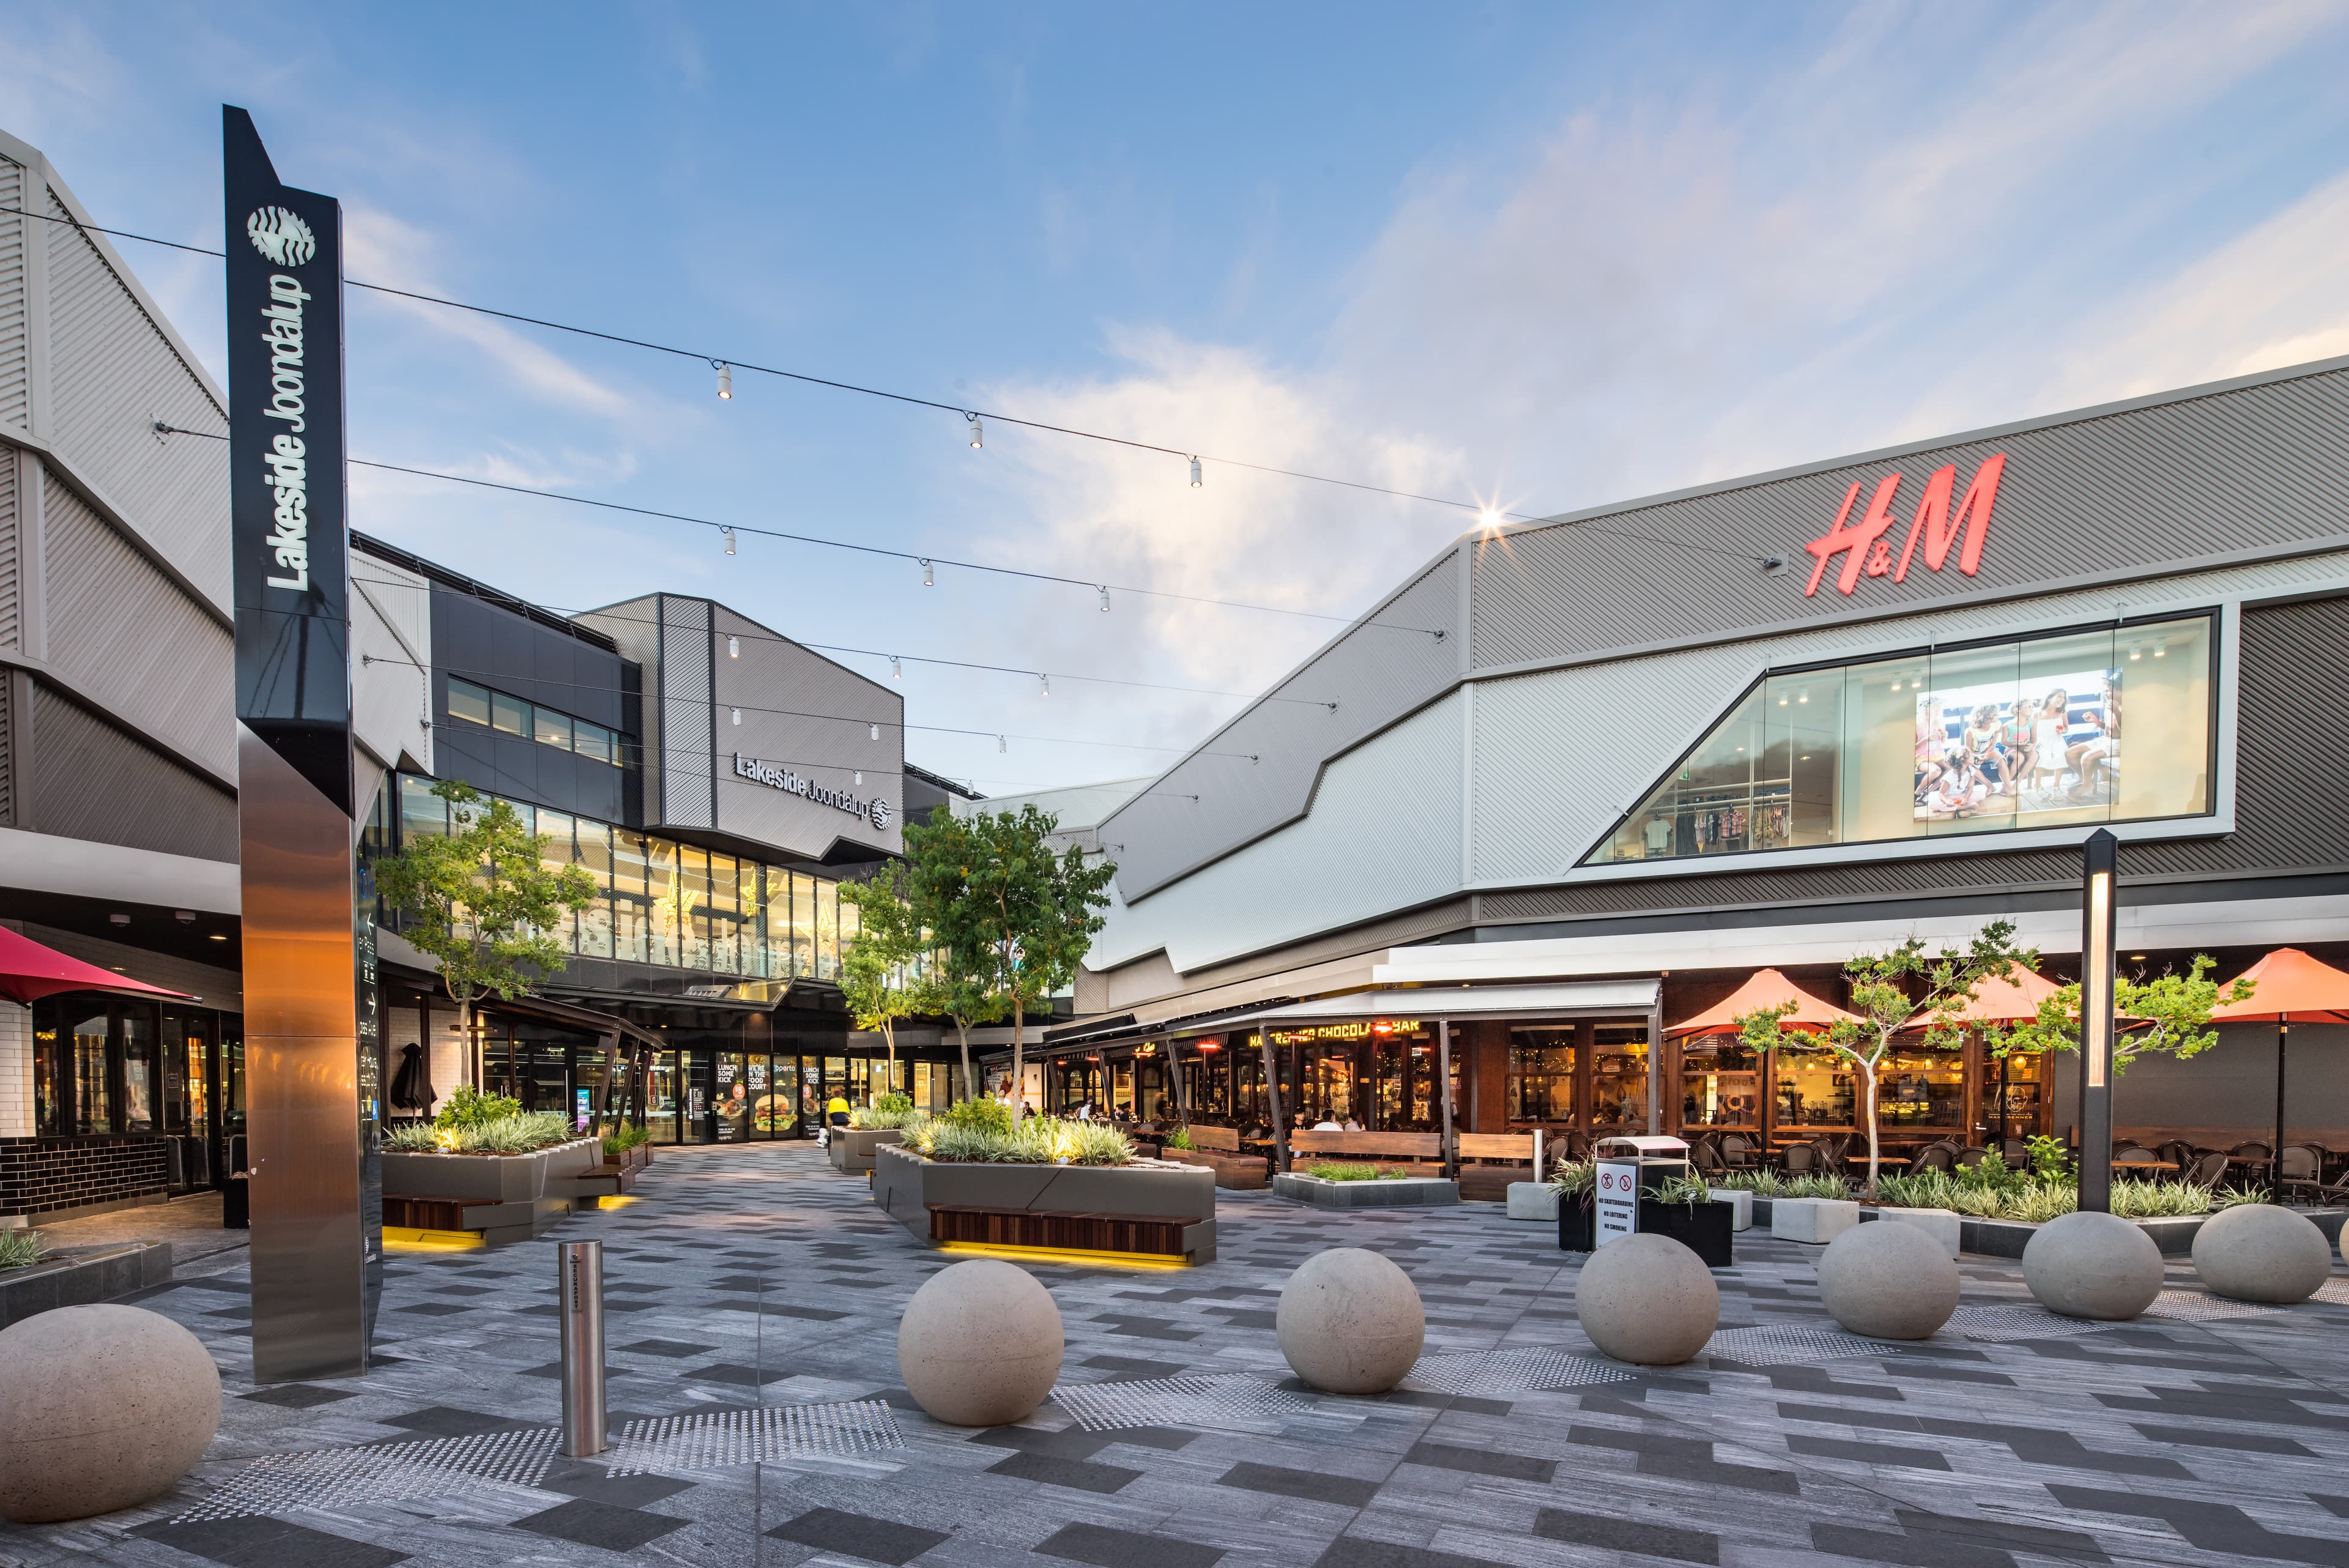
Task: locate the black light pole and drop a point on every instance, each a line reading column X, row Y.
column 2099, row 919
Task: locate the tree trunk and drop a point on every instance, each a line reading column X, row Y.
column 1018, row 1022
column 889, row 1038
column 970, row 1079
column 1869, row 1101
column 472, row 1057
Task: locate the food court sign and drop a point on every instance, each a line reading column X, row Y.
column 1935, row 527
column 1378, row 1031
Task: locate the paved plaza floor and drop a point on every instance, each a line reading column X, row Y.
column 754, row 1294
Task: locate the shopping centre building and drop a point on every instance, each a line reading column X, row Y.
column 1573, row 783
column 718, row 781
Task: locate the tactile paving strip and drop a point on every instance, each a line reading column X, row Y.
column 1790, row 1346
column 713, row 1439
column 2001, row 1324
column 381, row 1472
column 1235, row 1402
column 1529, row 1371
column 2335, row 1290
column 2200, row 1306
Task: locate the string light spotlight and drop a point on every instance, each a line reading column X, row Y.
column 1044, row 684
column 978, row 433
column 1104, row 599
column 929, row 573
column 733, row 648
column 729, row 534
column 1195, row 479
column 725, row 380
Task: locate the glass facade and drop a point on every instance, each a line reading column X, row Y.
column 475, row 704
column 658, row 901
column 104, row 1065
column 1995, row 738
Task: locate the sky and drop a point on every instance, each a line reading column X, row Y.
column 1541, row 257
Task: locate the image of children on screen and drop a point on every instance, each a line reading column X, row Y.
column 1985, row 751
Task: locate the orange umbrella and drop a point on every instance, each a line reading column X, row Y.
column 1768, row 988
column 2287, row 986
column 2014, row 999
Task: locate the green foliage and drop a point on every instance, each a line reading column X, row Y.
column 2135, row 1198
column 1924, row 1190
column 1014, row 919
column 1095, row 1143
column 992, row 1115
column 481, row 898
column 893, row 1111
column 1038, row 1141
column 1990, row 1175
column 1343, row 1170
column 1883, row 1007
column 2168, row 1015
column 20, row 1249
column 623, row 1140
column 417, row 1137
column 885, row 971
column 1687, row 1190
column 469, row 1107
column 1574, row 1177
column 2041, row 1201
column 2050, row 1160
column 2229, row 1197
column 1773, row 1183
column 896, row 1103
column 1180, row 1139
column 2029, row 1196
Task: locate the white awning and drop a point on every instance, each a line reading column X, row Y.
column 1617, row 998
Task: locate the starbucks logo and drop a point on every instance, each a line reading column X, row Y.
column 281, row 235
column 881, row 814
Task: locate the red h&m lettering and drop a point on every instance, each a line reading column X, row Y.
column 1935, row 524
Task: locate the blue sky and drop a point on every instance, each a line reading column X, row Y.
column 1548, row 255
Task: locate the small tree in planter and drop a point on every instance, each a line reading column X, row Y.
column 885, row 974
column 936, row 852
column 1881, row 986
column 482, row 900
column 2168, row 1016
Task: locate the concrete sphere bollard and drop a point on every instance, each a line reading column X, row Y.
column 1647, row 1299
column 1350, row 1322
column 101, row 1407
column 2259, row 1252
column 980, row 1343
column 1888, row 1281
column 2092, row 1265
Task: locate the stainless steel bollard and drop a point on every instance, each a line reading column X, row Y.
column 580, row 1287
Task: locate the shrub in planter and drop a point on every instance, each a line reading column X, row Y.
column 20, row 1249
column 1683, row 1208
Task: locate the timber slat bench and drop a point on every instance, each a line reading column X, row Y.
column 1480, row 1182
column 1218, row 1150
column 1148, row 1235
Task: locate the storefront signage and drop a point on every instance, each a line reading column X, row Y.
column 1867, row 552
column 1618, row 1211
column 874, row 810
column 1379, row 1030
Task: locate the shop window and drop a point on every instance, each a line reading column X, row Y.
column 422, row 814
column 595, row 740
column 1720, row 1082
column 1919, row 1088
column 594, row 840
column 1541, row 1076
column 511, row 715
column 140, row 1064
column 1816, row 1090
column 93, row 1102
column 549, row 728
column 468, row 702
column 1618, row 1078
column 1999, row 737
column 50, row 1072
column 827, row 928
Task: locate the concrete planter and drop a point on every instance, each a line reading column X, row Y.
column 82, row 1276
column 1533, row 1200
column 506, row 1197
column 850, row 1149
column 1409, row 1193
column 1108, row 1203
column 1234, row 1172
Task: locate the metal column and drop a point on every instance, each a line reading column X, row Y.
column 579, row 1284
column 1272, row 1103
column 2099, row 920
column 1444, row 1084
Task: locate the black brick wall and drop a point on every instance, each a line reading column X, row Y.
column 41, row 1175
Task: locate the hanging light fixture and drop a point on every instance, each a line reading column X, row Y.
column 730, row 539
column 725, row 380
column 1045, row 683
column 733, row 648
column 929, row 575
column 738, row 714
column 897, row 670
column 978, row 433
column 1001, row 744
column 858, row 778
column 875, row 730
column 1195, row 479
column 1104, row 594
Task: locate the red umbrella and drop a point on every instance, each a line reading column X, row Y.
column 2287, row 986
column 29, row 972
column 1768, row 988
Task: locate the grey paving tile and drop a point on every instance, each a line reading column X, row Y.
column 859, row 1535
column 1108, row 1548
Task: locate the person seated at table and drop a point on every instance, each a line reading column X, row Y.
column 1326, row 1124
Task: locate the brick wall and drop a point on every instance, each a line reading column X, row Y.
column 43, row 1174
column 15, row 1071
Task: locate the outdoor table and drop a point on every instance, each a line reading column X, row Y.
column 2144, row 1165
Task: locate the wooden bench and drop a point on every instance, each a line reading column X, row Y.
column 1150, row 1236
column 1218, row 1150
column 1368, row 1145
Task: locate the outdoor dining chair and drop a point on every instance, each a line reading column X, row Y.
column 2252, row 1149
column 1972, row 1156
column 2209, row 1169
column 2135, row 1156
column 1798, row 1159
column 2016, row 1152
column 1938, row 1157
column 1737, row 1152
column 2303, row 1170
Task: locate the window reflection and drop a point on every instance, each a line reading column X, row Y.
column 1619, row 1077
column 1720, row 1082
column 1541, row 1075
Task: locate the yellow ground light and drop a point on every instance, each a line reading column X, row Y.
column 616, row 1200
column 1080, row 1257
column 408, row 1239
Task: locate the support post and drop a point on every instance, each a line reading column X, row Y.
column 1443, row 1088
column 580, row 1289
column 1272, row 1103
column 2275, row 1171
column 1656, row 1064
column 1173, row 1069
column 2099, row 920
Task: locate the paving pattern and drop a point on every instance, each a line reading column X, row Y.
column 753, row 1294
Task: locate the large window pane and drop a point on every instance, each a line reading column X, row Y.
column 93, row 1105
column 777, row 931
column 725, row 915
column 1618, row 1078
column 468, row 702
column 595, row 841
column 667, row 932
column 632, row 914
column 827, row 928
column 1997, row 737
column 560, row 853
column 693, row 898
column 511, row 715
column 139, row 1067
column 421, row 813
column 549, row 728
column 593, row 741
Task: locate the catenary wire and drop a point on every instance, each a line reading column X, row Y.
column 1476, row 507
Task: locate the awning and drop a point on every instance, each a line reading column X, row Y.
column 29, row 972
column 1586, row 999
column 1767, row 988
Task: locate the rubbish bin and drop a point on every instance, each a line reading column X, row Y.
column 1628, row 1166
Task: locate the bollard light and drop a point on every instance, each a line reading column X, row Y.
column 2099, row 920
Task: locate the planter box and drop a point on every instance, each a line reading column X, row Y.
column 850, row 1149
column 80, row 1276
column 1740, row 1206
column 1408, row 1192
column 1814, row 1222
column 1533, row 1200
column 506, row 1197
column 1702, row 1228
column 1088, row 1207
column 1234, row 1172
column 1577, row 1227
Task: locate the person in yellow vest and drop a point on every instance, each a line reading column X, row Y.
column 836, row 1113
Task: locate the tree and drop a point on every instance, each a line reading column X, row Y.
column 885, row 972
column 936, row 854
column 482, row 900
column 1884, row 1007
column 1020, row 917
column 2168, row 1016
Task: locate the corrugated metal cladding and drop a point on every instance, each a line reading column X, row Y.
column 804, row 713
column 112, row 374
column 90, row 781
column 688, row 736
column 14, row 373
column 2231, row 470
column 1375, row 672
column 1561, row 753
column 131, row 639
column 1383, row 835
column 11, row 588
column 7, row 751
column 2292, row 814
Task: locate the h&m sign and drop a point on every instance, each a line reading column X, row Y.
column 1936, row 527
